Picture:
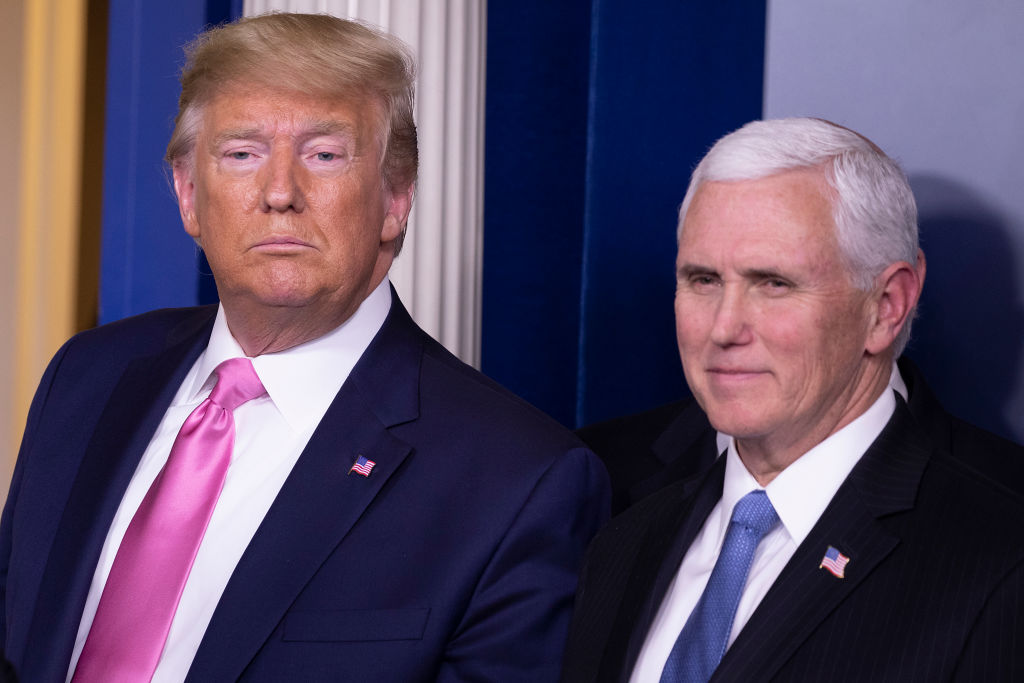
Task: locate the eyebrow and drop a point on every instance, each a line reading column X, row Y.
column 690, row 269
column 317, row 129
column 331, row 128
column 235, row 134
column 764, row 274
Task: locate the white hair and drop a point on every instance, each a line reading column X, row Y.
column 873, row 206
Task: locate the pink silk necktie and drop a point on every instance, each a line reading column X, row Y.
column 153, row 562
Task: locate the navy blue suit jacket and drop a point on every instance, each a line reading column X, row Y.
column 456, row 559
column 934, row 589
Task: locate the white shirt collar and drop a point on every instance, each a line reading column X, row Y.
column 802, row 491
column 897, row 383
column 303, row 380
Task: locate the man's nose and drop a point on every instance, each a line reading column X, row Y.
column 731, row 325
column 282, row 183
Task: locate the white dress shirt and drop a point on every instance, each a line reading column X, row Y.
column 799, row 494
column 270, row 434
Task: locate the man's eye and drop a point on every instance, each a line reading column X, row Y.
column 240, row 156
column 326, row 156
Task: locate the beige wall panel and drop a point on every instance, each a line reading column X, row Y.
column 11, row 20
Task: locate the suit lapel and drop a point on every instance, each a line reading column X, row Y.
column 884, row 482
column 665, row 541
column 686, row 448
column 320, row 501
column 122, row 434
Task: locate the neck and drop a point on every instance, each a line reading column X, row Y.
column 279, row 329
column 260, row 328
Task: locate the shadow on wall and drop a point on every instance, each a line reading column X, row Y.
column 969, row 335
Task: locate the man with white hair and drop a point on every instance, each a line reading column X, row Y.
column 834, row 539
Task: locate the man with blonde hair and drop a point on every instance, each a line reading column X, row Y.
column 297, row 484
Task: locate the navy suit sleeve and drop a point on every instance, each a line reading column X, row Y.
column 516, row 624
column 995, row 647
column 6, row 524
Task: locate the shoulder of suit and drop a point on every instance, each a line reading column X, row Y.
column 989, row 455
column 483, row 405
column 98, row 352
column 148, row 330
column 979, row 482
column 630, row 430
column 661, row 512
column 965, row 514
column 634, row 447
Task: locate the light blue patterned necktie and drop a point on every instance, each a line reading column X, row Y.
column 702, row 641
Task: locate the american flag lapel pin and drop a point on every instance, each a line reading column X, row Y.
column 362, row 466
column 835, row 562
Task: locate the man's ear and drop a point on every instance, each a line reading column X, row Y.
column 185, row 189
column 399, row 206
column 895, row 297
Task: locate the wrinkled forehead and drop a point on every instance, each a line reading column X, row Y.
column 730, row 170
column 242, row 106
column 775, row 215
column 794, row 192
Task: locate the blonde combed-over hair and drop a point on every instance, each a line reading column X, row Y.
column 315, row 54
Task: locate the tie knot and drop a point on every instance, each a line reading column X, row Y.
column 237, row 382
column 754, row 511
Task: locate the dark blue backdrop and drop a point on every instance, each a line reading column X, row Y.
column 147, row 261
column 596, row 114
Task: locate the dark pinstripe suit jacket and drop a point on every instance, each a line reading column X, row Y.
column 934, row 589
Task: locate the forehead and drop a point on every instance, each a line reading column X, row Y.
column 788, row 214
column 261, row 110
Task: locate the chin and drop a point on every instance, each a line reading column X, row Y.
column 283, row 287
column 288, row 300
column 276, row 297
column 735, row 421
